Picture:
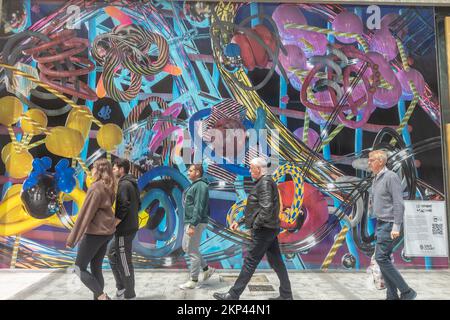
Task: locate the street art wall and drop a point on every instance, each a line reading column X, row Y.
column 82, row 80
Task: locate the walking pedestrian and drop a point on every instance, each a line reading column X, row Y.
column 120, row 250
column 261, row 216
column 388, row 207
column 95, row 226
column 196, row 213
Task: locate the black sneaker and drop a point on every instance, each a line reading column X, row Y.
column 223, row 296
column 408, row 295
column 281, row 298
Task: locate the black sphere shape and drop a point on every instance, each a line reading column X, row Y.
column 348, row 261
column 41, row 201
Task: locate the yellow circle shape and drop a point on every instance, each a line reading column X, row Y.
column 80, row 120
column 64, row 142
column 6, row 151
column 109, row 136
column 10, row 110
column 38, row 116
column 19, row 164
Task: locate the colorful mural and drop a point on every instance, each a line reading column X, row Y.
column 82, row 80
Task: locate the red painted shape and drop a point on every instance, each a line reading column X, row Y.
column 253, row 54
column 246, row 51
column 315, row 205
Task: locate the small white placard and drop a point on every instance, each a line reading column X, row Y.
column 425, row 229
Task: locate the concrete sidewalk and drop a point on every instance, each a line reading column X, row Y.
column 163, row 284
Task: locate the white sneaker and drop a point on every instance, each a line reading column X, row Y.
column 208, row 273
column 120, row 295
column 189, row 285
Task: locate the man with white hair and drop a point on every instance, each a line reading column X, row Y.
column 387, row 204
column 262, row 218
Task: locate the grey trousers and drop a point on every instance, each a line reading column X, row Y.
column 191, row 245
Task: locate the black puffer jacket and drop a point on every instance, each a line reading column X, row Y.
column 263, row 205
column 128, row 203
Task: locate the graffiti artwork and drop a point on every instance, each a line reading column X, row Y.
column 82, row 80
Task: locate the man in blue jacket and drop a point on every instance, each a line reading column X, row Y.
column 196, row 213
column 387, row 204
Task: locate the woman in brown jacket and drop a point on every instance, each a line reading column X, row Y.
column 95, row 227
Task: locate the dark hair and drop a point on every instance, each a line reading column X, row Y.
column 123, row 163
column 198, row 167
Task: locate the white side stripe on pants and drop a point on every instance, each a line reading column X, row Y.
column 123, row 257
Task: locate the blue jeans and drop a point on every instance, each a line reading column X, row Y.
column 383, row 250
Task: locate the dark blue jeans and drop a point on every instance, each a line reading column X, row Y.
column 383, row 250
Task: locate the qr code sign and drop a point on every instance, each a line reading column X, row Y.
column 437, row 228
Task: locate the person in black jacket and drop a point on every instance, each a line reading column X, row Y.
column 121, row 248
column 261, row 216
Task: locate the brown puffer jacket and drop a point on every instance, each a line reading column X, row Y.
column 96, row 215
